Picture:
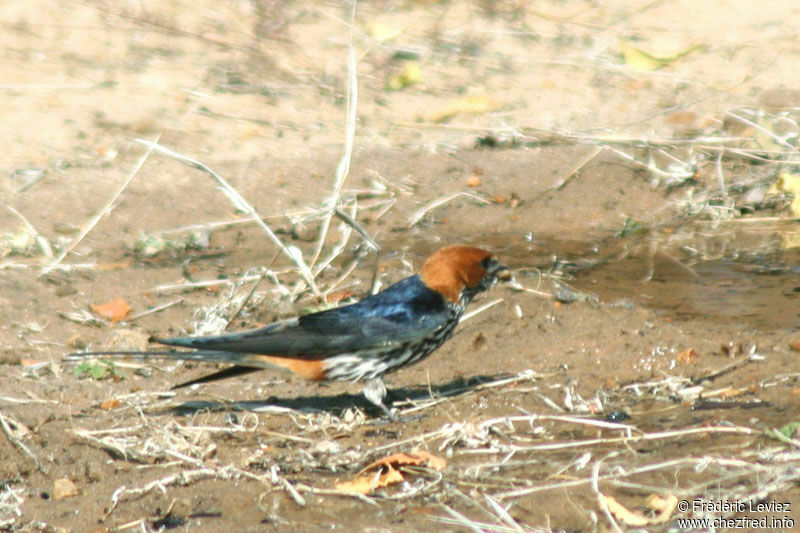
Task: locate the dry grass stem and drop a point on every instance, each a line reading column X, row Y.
column 41, row 241
column 4, row 425
column 247, row 298
column 243, row 205
column 419, row 215
column 358, row 227
column 190, row 285
column 156, row 309
column 583, row 162
column 481, row 309
column 343, row 168
column 105, row 209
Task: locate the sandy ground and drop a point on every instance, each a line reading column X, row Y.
column 644, row 359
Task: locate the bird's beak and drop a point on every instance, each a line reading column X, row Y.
column 504, row 274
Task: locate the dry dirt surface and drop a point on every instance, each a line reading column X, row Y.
column 634, row 163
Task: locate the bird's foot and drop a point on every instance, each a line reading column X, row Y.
column 395, row 419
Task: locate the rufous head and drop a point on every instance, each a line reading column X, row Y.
column 454, row 269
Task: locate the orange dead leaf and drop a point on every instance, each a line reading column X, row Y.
column 339, row 295
column 473, row 181
column 384, row 472
column 688, row 356
column 31, row 362
column 114, row 266
column 433, row 461
column 364, row 484
column 108, row 405
column 417, row 457
column 795, row 346
column 115, row 310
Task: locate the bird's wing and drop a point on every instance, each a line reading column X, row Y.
column 316, row 334
column 390, row 318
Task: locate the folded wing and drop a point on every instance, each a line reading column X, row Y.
column 402, row 313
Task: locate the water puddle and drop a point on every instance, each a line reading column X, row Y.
column 752, row 283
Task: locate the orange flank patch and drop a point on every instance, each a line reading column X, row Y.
column 306, row 369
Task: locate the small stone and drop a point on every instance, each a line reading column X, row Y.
column 64, row 488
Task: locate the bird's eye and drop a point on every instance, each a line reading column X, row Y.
column 490, row 264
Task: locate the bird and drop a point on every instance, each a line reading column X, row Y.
column 394, row 328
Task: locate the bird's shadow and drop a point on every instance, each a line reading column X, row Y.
column 337, row 404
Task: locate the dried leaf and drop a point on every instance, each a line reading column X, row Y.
column 473, row 181
column 111, row 404
column 663, row 506
column 476, row 103
column 115, row 310
column 644, row 61
column 410, row 75
column 339, row 295
column 114, row 266
column 788, row 182
column 688, row 356
column 621, row 513
column 433, row 461
column 383, row 32
column 384, row 472
column 365, row 484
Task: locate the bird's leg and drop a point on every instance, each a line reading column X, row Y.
column 375, row 392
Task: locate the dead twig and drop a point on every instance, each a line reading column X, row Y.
column 419, row 215
column 343, row 168
column 247, row 298
column 155, row 309
column 19, row 445
column 44, row 244
column 105, row 209
column 358, row 227
column 243, row 205
column 585, row 161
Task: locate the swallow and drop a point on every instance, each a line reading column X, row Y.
column 397, row 327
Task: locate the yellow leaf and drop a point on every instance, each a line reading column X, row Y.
column 644, row 61
column 383, row 32
column 410, row 75
column 788, row 182
column 476, row 103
